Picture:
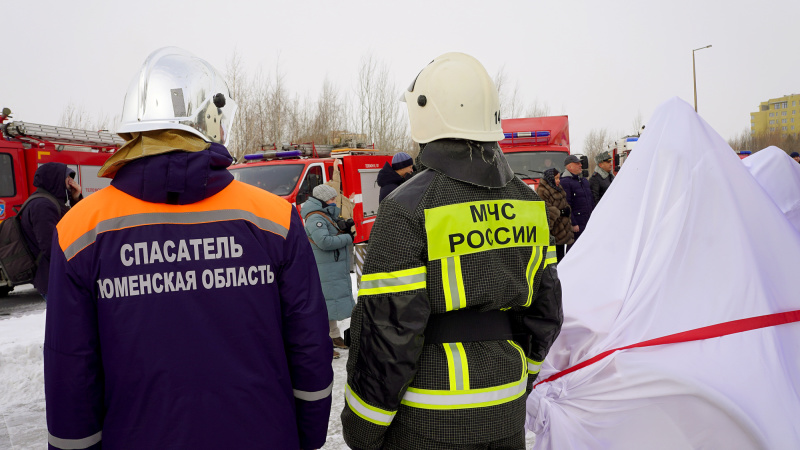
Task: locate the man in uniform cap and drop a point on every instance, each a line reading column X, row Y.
column 602, row 177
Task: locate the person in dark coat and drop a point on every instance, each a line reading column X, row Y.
column 184, row 309
column 393, row 175
column 579, row 195
column 602, row 178
column 558, row 211
column 40, row 216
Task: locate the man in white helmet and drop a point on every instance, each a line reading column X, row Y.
column 182, row 312
column 460, row 299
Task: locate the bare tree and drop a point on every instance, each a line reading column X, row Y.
column 754, row 142
column 328, row 115
column 76, row 116
column 379, row 115
column 595, row 142
column 638, row 124
column 511, row 104
column 537, row 109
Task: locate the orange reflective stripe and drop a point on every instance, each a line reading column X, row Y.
column 110, row 203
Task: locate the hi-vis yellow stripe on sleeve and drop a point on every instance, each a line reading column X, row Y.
column 472, row 227
column 393, row 282
column 533, row 366
column 550, row 256
column 369, row 413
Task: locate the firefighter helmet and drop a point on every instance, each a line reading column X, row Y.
column 453, row 97
column 176, row 90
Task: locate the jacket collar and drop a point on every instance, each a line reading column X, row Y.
column 387, row 176
column 315, row 204
column 598, row 170
column 178, row 177
column 479, row 163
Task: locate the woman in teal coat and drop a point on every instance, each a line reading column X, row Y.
column 332, row 248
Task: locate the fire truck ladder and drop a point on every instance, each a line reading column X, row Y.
column 62, row 135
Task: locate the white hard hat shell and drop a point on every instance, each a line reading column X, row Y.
column 454, row 97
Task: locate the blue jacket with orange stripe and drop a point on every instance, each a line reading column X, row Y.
column 185, row 312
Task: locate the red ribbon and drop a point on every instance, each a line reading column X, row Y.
column 698, row 334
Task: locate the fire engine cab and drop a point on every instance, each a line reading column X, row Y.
column 25, row 146
column 294, row 170
column 621, row 149
column 535, row 144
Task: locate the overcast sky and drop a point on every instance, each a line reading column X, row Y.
column 601, row 62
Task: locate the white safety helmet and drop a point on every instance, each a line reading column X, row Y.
column 176, row 90
column 453, row 97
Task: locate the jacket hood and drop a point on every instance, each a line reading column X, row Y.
column 479, row 163
column 178, row 177
column 315, row 204
column 387, row 175
column 50, row 177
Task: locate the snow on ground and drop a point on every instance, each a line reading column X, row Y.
column 22, row 413
column 22, row 408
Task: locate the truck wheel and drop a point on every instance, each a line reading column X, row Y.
column 4, row 290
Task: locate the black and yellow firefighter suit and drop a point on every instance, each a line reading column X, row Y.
column 458, row 305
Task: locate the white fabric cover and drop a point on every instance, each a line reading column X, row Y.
column 684, row 238
column 779, row 175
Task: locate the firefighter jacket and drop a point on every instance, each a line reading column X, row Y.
column 332, row 249
column 463, row 235
column 182, row 314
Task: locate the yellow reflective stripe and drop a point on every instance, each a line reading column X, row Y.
column 533, row 366
column 369, row 413
column 453, row 284
column 464, row 365
column 550, row 256
column 470, row 398
column 522, row 355
column 451, row 368
column 396, row 274
column 391, row 282
column 473, row 227
column 530, row 271
column 457, row 367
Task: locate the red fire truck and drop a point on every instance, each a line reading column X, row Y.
column 535, row 144
column 295, row 170
column 25, row 146
column 620, row 150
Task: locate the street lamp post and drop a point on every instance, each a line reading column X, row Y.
column 694, row 76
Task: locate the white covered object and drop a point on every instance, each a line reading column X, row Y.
column 684, row 238
column 779, row 175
